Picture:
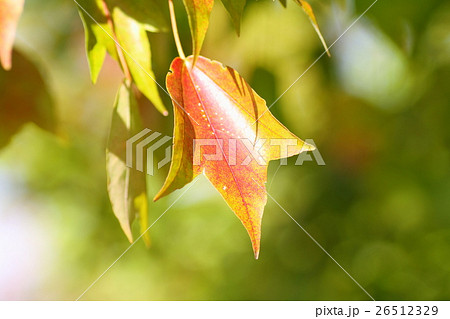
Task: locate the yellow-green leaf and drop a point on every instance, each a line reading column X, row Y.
column 309, row 11
column 126, row 186
column 98, row 35
column 148, row 13
column 132, row 37
column 198, row 14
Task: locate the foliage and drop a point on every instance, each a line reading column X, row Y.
column 369, row 109
column 109, row 22
column 118, row 27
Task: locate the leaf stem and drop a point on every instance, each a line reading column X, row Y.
column 122, row 61
column 176, row 36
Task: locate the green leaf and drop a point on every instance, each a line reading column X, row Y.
column 126, row 186
column 309, row 11
column 10, row 11
column 133, row 39
column 198, row 14
column 24, row 98
column 235, row 8
column 149, row 13
column 98, row 35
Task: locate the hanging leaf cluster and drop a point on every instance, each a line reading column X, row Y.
column 210, row 102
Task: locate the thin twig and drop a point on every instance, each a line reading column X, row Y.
column 176, row 36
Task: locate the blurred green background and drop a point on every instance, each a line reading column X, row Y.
column 378, row 111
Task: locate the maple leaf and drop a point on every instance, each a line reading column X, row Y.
column 213, row 103
column 10, row 11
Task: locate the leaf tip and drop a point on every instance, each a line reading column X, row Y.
column 6, row 66
column 256, row 244
column 310, row 13
column 6, row 57
column 10, row 12
column 93, row 80
column 307, row 147
column 126, row 228
column 157, row 197
column 147, row 240
column 128, row 233
column 5, row 60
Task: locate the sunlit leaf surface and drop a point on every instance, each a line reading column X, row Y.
column 213, row 104
column 129, row 22
column 132, row 37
